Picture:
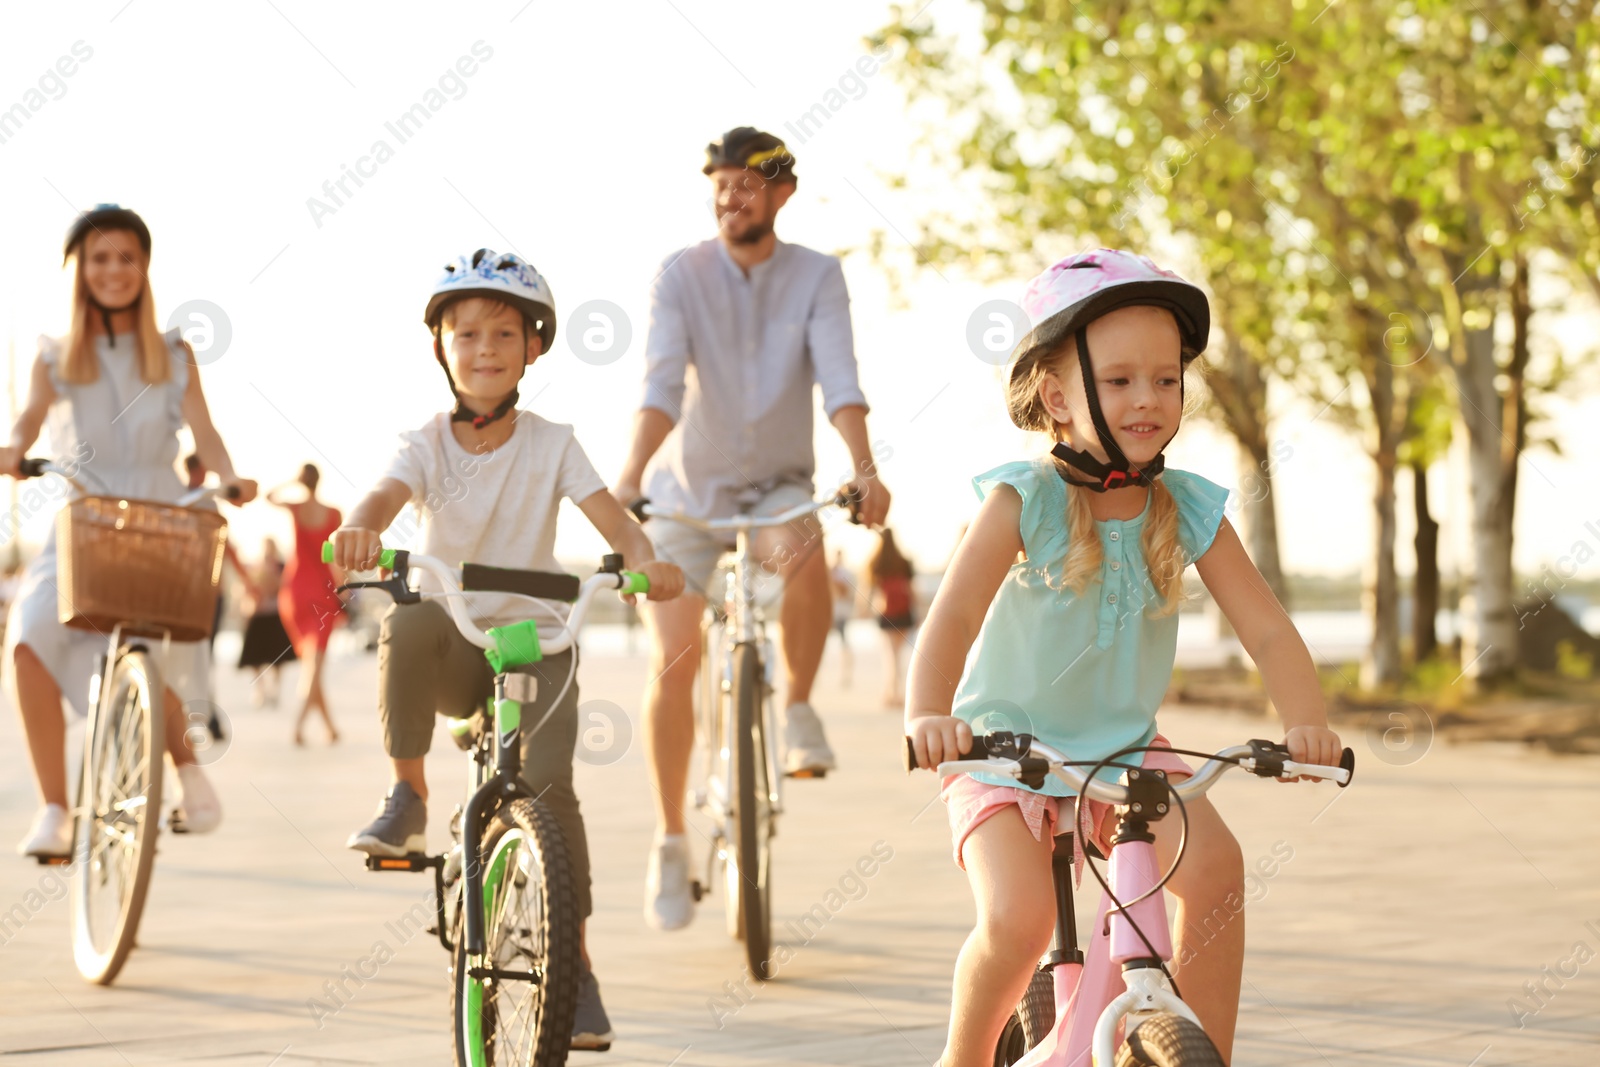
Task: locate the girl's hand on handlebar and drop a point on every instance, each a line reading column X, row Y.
column 356, row 548
column 1313, row 744
column 11, row 461
column 938, row 738
column 666, row 580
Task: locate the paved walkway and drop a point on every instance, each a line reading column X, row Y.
column 1402, row 928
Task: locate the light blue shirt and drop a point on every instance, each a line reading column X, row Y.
column 1085, row 674
column 734, row 360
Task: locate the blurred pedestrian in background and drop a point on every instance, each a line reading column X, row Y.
column 266, row 645
column 306, row 601
column 844, row 609
column 889, row 574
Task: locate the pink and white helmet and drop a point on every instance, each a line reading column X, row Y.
column 1061, row 302
column 1085, row 286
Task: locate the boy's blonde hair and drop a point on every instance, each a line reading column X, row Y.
column 1163, row 553
column 78, row 363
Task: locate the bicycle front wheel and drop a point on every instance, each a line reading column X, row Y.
column 119, row 816
column 752, row 811
column 517, row 1010
column 1167, row 1040
column 1031, row 1020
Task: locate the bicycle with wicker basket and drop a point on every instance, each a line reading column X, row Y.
column 137, row 572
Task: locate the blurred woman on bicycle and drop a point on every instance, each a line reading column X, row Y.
column 1065, row 592
column 115, row 391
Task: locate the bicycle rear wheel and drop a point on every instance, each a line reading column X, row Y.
column 1167, row 1040
column 119, row 817
column 530, row 929
column 1030, row 1022
column 752, row 811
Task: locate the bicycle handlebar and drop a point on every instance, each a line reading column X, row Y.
column 36, row 467
column 1015, row 755
column 848, row 497
column 454, row 597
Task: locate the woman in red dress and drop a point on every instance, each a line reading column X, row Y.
column 306, row 600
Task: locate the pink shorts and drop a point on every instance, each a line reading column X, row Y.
column 970, row 802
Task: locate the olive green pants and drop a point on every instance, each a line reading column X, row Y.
column 426, row 668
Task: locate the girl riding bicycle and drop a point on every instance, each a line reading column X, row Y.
column 1065, row 591
column 116, row 391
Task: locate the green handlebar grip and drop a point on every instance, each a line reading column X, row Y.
column 634, row 582
column 385, row 556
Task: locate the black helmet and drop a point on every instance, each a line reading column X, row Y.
column 103, row 217
column 746, row 146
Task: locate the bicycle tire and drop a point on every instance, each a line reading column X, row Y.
column 1035, row 1014
column 1167, row 1040
column 523, row 838
column 122, row 768
column 752, row 811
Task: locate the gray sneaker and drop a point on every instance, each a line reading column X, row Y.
column 400, row 828
column 591, row 1030
column 806, row 751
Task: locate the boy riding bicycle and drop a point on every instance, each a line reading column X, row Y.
column 487, row 479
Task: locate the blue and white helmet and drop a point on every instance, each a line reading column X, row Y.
column 506, row 277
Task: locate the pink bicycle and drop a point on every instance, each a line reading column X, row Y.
column 1075, row 1004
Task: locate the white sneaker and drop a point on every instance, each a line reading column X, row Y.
column 197, row 810
column 51, row 834
column 806, row 751
column 668, row 904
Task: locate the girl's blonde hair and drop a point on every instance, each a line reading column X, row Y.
column 1163, row 553
column 78, row 364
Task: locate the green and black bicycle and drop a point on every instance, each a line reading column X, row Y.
column 505, row 906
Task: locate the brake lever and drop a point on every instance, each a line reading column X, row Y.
column 396, row 585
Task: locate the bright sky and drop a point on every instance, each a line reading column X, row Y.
column 576, row 141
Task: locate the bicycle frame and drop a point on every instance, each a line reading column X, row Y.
column 507, row 649
column 743, row 623
column 1122, row 977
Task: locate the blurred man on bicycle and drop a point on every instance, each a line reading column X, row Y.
column 742, row 328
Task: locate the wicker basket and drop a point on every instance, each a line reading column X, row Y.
column 151, row 568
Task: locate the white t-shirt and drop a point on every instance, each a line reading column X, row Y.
column 498, row 508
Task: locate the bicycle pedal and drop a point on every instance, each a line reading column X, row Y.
column 53, row 861
column 414, row 861
column 808, row 772
column 697, row 891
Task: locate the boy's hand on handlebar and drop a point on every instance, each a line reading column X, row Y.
column 246, row 490
column 356, row 548
column 938, row 738
column 1313, row 744
column 666, row 580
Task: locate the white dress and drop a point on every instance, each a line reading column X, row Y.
column 123, row 434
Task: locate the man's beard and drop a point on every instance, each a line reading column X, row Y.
column 754, row 234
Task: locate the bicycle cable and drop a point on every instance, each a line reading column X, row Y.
column 1105, row 885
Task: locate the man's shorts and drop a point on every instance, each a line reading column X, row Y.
column 699, row 551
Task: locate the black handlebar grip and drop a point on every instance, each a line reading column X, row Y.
column 637, row 508
column 1347, row 763
column 231, row 492
column 910, row 755
column 850, row 497
column 32, row 468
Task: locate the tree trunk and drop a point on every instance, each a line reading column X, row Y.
column 1488, row 623
column 1259, row 513
column 1425, row 587
column 1239, row 390
column 1381, row 589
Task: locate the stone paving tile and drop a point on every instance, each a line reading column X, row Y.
column 1414, row 907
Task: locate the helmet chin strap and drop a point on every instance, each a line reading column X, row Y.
column 462, row 413
column 1118, row 473
column 105, row 317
